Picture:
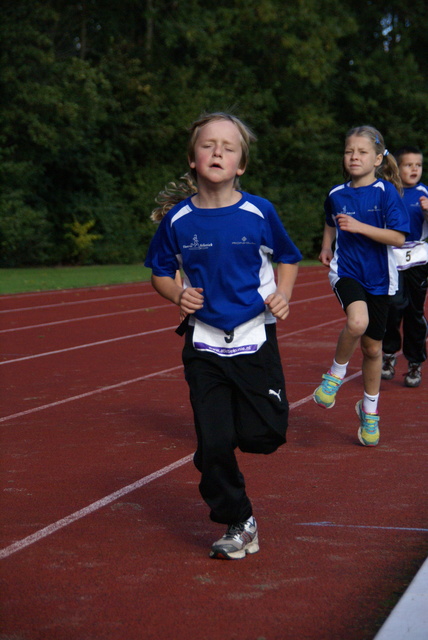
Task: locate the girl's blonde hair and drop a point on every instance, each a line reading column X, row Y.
column 187, row 186
column 172, row 194
column 388, row 169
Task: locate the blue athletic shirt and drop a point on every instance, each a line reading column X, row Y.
column 371, row 263
column 228, row 252
column 418, row 224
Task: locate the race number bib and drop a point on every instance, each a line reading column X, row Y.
column 245, row 338
column 411, row 254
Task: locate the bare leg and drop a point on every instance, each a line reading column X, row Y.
column 356, row 324
column 372, row 364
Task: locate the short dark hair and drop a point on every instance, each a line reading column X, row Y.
column 403, row 150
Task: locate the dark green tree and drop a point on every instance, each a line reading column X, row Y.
column 96, row 98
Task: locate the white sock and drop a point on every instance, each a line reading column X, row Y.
column 338, row 370
column 370, row 403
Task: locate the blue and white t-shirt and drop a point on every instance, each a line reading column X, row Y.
column 414, row 252
column 371, row 263
column 228, row 252
column 418, row 224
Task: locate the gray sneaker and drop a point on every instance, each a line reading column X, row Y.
column 414, row 375
column 238, row 540
column 388, row 366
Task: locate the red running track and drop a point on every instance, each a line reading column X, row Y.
column 104, row 534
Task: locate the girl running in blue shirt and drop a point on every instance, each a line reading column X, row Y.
column 225, row 240
column 365, row 217
column 407, row 307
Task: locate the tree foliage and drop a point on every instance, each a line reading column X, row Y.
column 96, row 98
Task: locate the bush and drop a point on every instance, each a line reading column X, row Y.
column 25, row 236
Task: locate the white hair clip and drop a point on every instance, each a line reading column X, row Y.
column 386, row 152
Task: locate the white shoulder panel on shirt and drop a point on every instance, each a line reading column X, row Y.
column 380, row 185
column 182, row 212
column 420, row 187
column 338, row 188
column 248, row 206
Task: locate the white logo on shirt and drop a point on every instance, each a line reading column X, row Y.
column 195, row 244
column 348, row 213
column 243, row 240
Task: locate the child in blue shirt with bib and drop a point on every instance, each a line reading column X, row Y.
column 407, row 307
column 225, row 241
column 365, row 217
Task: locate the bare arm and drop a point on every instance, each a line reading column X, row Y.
column 423, row 201
column 189, row 300
column 326, row 254
column 278, row 302
column 384, row 236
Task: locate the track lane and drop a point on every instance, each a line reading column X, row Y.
column 138, row 567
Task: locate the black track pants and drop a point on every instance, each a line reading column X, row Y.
column 407, row 307
column 237, row 402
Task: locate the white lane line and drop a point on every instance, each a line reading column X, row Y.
column 135, row 335
column 97, row 317
column 311, row 282
column 88, row 394
column 143, row 333
column 124, row 383
column 89, row 344
column 312, row 299
column 145, row 284
column 357, row 526
column 73, row 290
column 46, row 531
column 64, row 522
column 71, row 302
column 281, row 336
column 298, row 403
column 119, row 384
column 115, row 313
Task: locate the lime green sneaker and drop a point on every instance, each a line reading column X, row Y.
column 368, row 433
column 325, row 394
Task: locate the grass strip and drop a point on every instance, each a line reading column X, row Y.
column 26, row 280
